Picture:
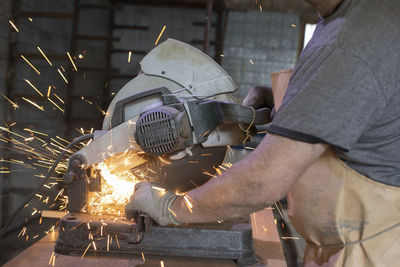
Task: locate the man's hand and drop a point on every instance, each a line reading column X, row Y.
column 152, row 200
column 260, row 97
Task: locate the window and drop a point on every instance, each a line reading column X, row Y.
column 308, row 33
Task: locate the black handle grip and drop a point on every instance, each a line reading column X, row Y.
column 119, row 110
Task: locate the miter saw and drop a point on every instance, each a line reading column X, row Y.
column 179, row 110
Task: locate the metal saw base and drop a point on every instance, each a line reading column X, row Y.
column 109, row 236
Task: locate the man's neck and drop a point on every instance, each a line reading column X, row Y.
column 325, row 7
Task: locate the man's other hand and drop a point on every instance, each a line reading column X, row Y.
column 260, row 97
column 150, row 199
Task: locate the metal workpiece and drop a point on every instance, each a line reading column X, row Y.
column 103, row 236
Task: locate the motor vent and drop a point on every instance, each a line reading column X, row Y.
column 157, row 133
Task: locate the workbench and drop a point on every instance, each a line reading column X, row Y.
column 266, row 240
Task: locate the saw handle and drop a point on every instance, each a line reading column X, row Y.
column 119, row 110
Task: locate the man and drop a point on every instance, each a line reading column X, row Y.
column 334, row 145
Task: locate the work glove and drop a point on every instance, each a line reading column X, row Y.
column 149, row 199
column 260, row 97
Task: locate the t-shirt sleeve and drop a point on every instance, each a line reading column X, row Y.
column 332, row 97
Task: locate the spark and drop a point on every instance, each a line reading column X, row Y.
column 30, row 19
column 35, row 236
column 48, row 91
column 83, row 255
column 34, row 212
column 51, row 258
column 13, row 25
column 34, row 88
column 33, row 103
column 30, row 64
column 158, row 188
column 116, row 189
column 251, row 61
column 159, row 36
column 280, row 213
column 188, row 204
column 108, row 242
column 94, row 245
column 36, row 132
column 62, row 75
column 206, row 155
column 265, row 228
column 173, row 213
column 294, row 25
column 51, row 101
column 222, row 55
column 62, row 139
column 72, row 61
column 116, row 238
column 14, row 105
column 218, row 171
column 162, row 263
column 23, row 231
column 261, row 9
column 59, row 98
column 40, row 220
column 164, row 161
column 59, row 193
column 44, row 55
column 129, row 56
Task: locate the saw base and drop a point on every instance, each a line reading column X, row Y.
column 110, row 236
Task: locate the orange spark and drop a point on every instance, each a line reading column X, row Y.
column 48, row 91
column 62, row 75
column 13, row 25
column 30, row 64
column 33, row 103
column 83, row 255
column 161, row 33
column 44, row 55
column 34, row 88
column 14, row 105
column 72, row 61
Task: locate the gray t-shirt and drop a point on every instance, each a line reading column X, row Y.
column 345, row 89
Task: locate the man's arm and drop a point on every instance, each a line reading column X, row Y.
column 262, row 178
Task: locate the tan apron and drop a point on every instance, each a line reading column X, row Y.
column 346, row 218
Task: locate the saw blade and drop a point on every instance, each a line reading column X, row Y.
column 184, row 174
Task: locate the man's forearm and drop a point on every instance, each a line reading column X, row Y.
column 262, row 178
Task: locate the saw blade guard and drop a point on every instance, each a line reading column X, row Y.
column 186, row 71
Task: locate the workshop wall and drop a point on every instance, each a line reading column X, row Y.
column 180, row 24
column 5, row 10
column 53, row 37
column 268, row 39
